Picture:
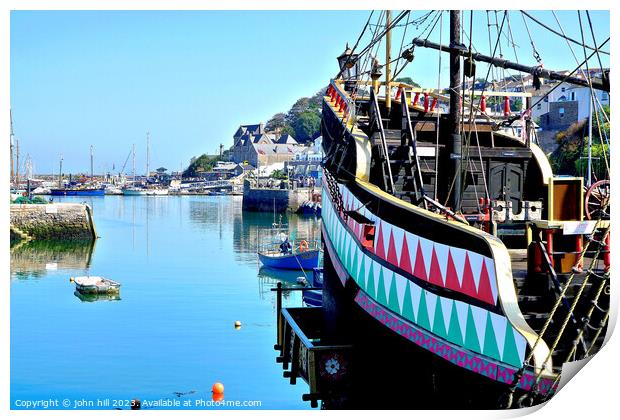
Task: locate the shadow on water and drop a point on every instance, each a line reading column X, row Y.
column 36, row 257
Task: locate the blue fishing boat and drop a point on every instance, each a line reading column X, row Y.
column 304, row 260
column 77, row 191
column 277, row 249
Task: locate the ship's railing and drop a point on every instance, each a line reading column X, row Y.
column 340, row 99
column 434, row 100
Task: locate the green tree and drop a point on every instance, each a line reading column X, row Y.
column 203, row 163
column 306, row 125
column 407, row 80
column 279, row 174
column 277, row 122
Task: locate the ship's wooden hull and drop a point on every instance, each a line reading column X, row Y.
column 442, row 296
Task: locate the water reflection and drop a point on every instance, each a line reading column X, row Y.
column 96, row 297
column 269, row 278
column 35, row 258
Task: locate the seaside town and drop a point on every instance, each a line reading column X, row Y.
column 459, row 231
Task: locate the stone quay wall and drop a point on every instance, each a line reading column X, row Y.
column 268, row 199
column 52, row 221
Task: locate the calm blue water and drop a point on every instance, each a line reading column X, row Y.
column 188, row 270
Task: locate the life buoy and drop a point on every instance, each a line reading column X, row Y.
column 303, row 246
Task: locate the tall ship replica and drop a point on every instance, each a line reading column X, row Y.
column 445, row 226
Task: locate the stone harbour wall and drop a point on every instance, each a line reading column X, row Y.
column 266, row 199
column 52, row 221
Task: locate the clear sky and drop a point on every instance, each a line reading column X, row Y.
column 191, row 78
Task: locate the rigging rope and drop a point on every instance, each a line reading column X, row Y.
column 592, row 95
column 534, row 51
column 560, row 35
column 598, row 55
column 471, row 108
column 356, row 43
column 437, row 122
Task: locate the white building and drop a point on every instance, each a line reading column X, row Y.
column 567, row 92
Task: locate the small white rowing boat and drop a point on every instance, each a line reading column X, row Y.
column 95, row 285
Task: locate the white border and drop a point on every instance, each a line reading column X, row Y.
column 586, row 396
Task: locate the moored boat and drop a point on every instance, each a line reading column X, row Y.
column 95, row 285
column 157, row 191
column 134, row 191
column 77, row 191
column 304, row 260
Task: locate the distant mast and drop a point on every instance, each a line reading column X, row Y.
column 16, row 163
column 133, row 160
column 147, row 154
column 92, row 175
column 60, row 174
column 12, row 142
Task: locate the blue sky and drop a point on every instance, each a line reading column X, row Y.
column 191, row 78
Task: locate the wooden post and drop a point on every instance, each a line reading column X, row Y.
column 294, row 360
column 279, row 335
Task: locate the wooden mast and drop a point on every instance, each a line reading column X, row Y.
column 454, row 116
column 388, row 59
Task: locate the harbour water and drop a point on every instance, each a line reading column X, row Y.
column 188, row 270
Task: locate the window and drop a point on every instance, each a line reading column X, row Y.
column 572, row 96
column 563, row 88
column 561, row 111
column 538, row 107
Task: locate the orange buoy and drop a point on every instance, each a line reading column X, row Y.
column 217, row 397
column 218, row 388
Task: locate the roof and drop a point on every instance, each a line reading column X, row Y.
column 286, row 139
column 262, row 139
column 269, row 149
column 247, row 167
column 253, row 129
